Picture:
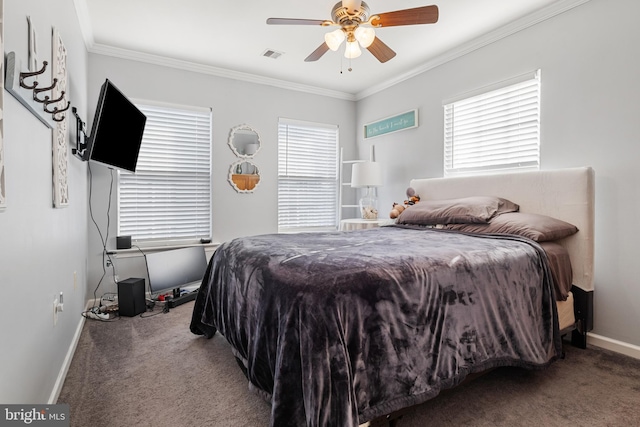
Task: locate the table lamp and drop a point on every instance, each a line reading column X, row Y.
column 367, row 175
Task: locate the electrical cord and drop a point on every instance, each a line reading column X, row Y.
column 150, row 301
column 106, row 255
column 108, row 308
column 103, row 240
column 144, row 256
column 110, row 319
column 165, row 309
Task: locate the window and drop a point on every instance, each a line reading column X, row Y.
column 307, row 176
column 496, row 130
column 169, row 196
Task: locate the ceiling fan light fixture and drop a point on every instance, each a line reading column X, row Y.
column 352, row 50
column 365, row 36
column 350, row 15
column 334, row 39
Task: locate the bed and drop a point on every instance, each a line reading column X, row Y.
column 345, row 328
column 565, row 194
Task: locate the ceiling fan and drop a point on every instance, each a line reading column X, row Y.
column 357, row 28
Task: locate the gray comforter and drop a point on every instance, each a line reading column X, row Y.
column 336, row 329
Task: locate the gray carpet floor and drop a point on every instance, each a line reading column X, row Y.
column 152, row 371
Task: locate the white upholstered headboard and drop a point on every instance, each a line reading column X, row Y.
column 566, row 194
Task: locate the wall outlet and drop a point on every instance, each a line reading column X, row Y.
column 58, row 306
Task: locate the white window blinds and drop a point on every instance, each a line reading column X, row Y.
column 169, row 196
column 307, row 175
column 494, row 131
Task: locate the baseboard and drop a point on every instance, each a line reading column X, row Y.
column 57, row 387
column 614, row 345
column 593, row 339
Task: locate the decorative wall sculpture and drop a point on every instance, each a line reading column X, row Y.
column 60, row 132
column 3, row 188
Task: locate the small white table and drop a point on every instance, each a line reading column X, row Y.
column 361, row 224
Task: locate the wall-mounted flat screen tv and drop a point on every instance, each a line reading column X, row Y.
column 117, row 130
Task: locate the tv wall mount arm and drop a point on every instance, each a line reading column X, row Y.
column 81, row 136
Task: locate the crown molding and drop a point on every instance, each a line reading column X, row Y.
column 215, row 71
column 85, row 22
column 464, row 49
column 487, row 39
column 92, row 47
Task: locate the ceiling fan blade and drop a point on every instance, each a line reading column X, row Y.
column 418, row 15
column 381, row 51
column 317, row 54
column 294, row 21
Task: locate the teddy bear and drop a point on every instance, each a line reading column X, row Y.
column 396, row 211
column 412, row 199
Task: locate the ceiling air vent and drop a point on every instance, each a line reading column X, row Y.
column 273, row 54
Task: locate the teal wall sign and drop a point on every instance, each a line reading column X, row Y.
column 402, row 121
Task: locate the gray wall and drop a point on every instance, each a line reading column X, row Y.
column 40, row 247
column 233, row 102
column 589, row 117
column 590, row 92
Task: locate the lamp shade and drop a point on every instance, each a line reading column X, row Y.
column 352, row 50
column 334, row 39
column 365, row 36
column 366, row 174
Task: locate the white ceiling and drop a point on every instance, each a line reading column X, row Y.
column 228, row 38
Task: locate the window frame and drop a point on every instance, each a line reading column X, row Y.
column 523, row 140
column 172, row 241
column 332, row 181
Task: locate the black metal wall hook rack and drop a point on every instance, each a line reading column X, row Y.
column 48, row 101
column 56, row 112
column 37, row 90
column 16, row 83
column 27, row 74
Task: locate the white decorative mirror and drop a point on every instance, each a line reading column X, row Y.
column 244, row 141
column 244, row 176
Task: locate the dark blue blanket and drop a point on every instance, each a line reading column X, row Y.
column 336, row 329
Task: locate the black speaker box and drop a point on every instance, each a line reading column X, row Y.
column 131, row 300
column 123, row 242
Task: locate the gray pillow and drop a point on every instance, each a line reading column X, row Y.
column 540, row 228
column 465, row 210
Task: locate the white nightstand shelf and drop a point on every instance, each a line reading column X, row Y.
column 361, row 224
